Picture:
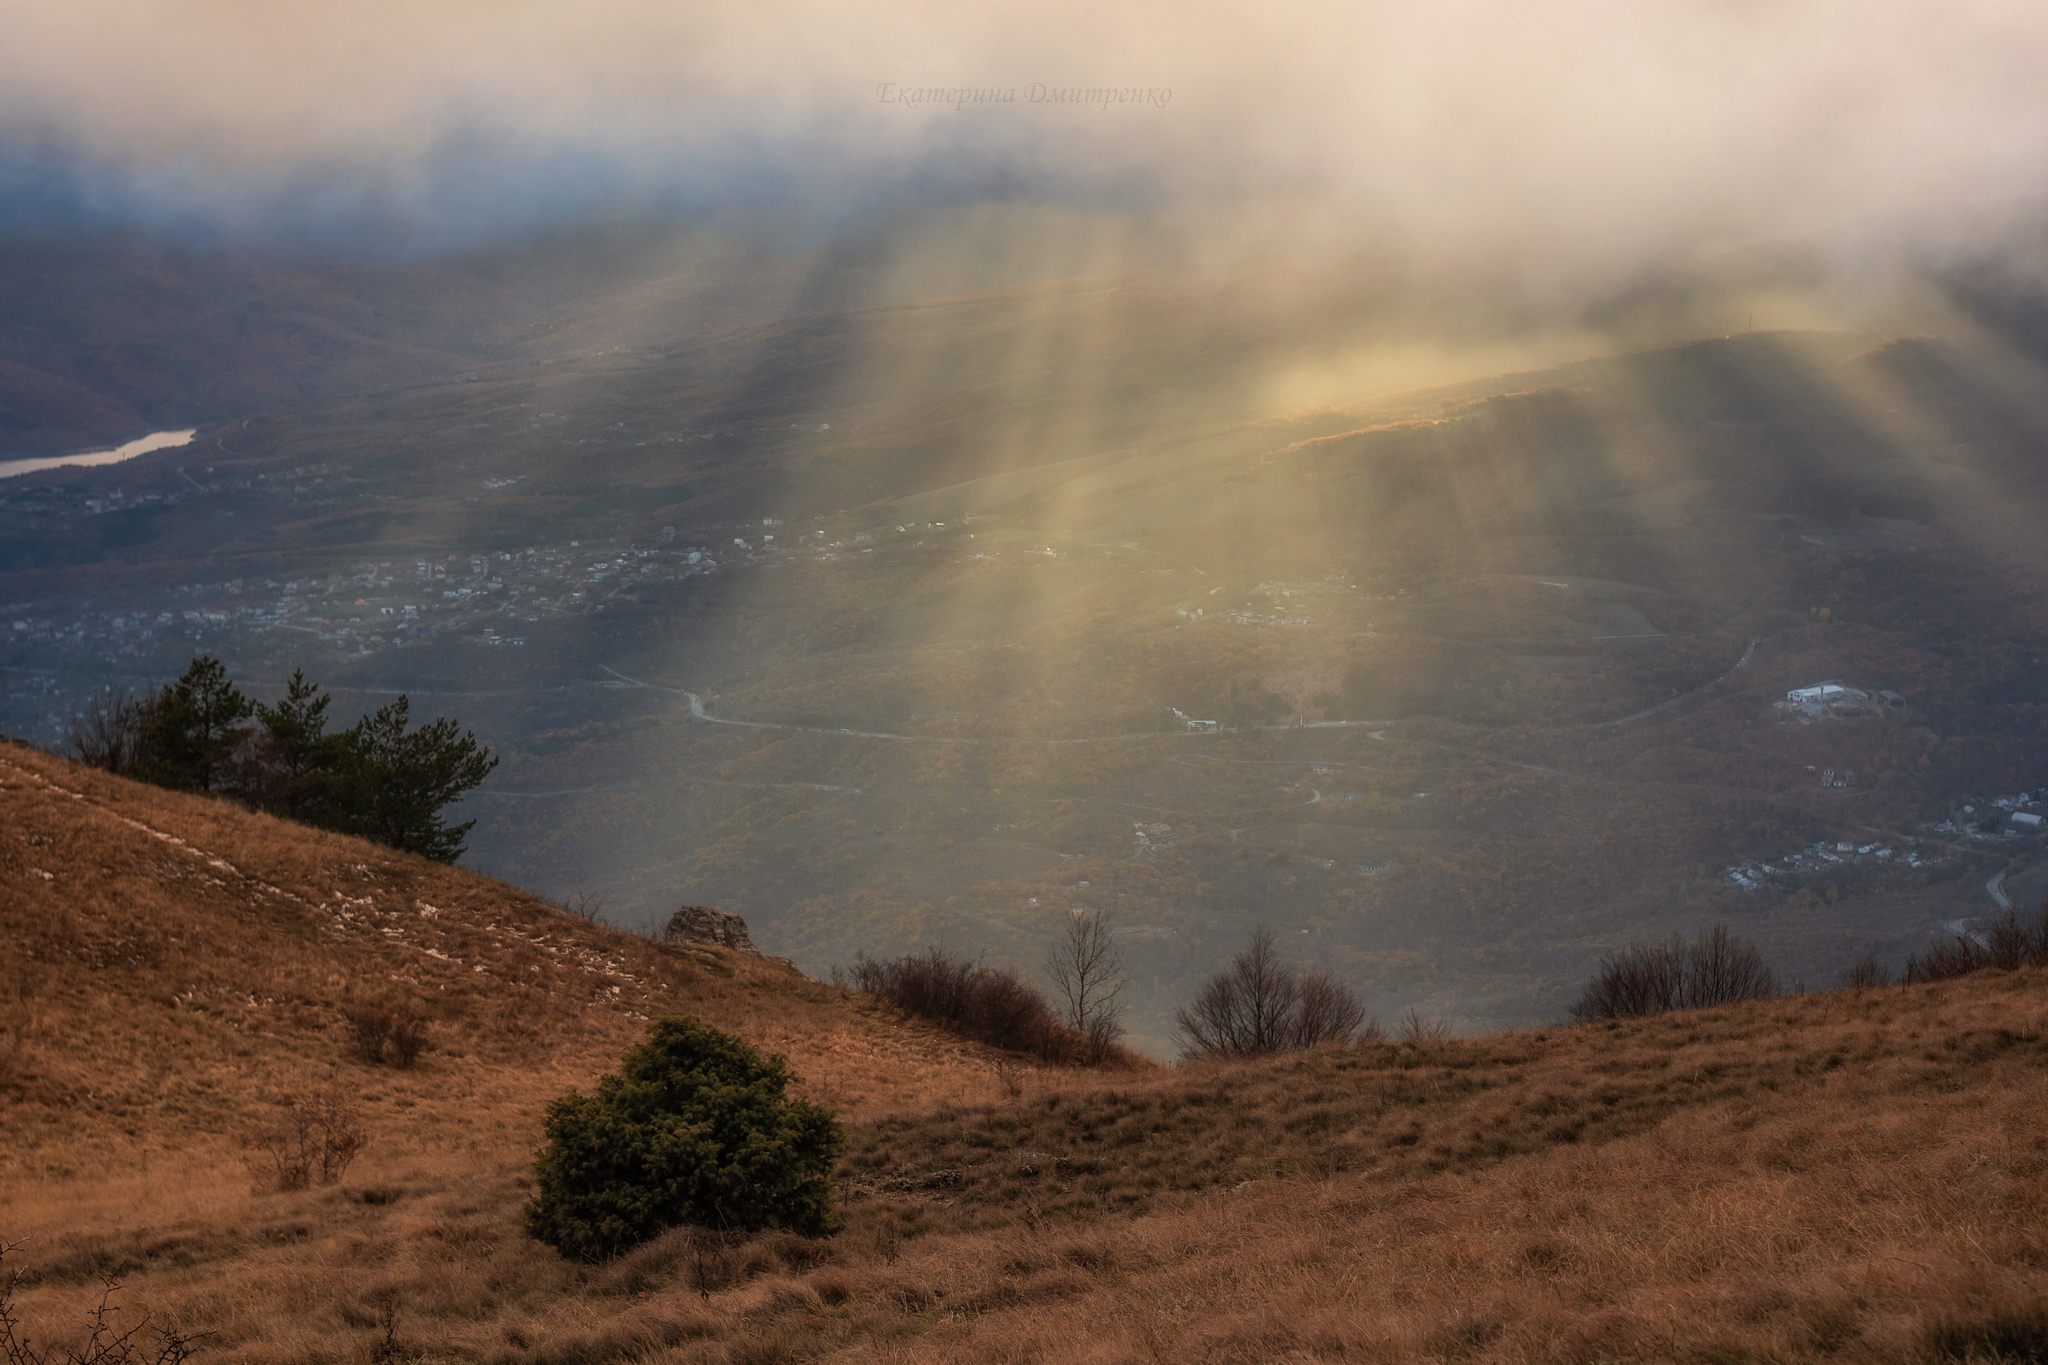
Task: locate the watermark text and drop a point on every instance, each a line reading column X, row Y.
column 960, row 97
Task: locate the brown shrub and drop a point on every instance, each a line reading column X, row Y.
column 1258, row 1005
column 408, row 1039
column 103, row 1344
column 1866, row 974
column 372, row 1029
column 381, row 1035
column 972, row 999
column 1944, row 961
column 2011, row 942
column 1641, row 979
column 316, row 1141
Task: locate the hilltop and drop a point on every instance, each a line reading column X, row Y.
column 1853, row 1176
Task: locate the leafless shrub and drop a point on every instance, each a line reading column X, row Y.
column 1419, row 1030
column 1326, row 1010
column 586, row 905
column 1867, row 973
column 1640, row 979
column 2012, row 941
column 1087, row 971
column 1721, row 969
column 382, row 1035
column 1258, row 1005
column 316, row 1140
column 1009, row 1075
column 1957, row 956
column 972, row 999
column 409, row 1038
column 372, row 1029
column 714, row 1262
column 108, row 733
column 1635, row 979
column 103, row 1344
column 2015, row 942
column 388, row 1349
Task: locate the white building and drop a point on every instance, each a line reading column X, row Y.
column 1816, row 700
column 1824, row 692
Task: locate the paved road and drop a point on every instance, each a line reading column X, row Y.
column 697, row 712
column 1961, row 929
column 1670, row 702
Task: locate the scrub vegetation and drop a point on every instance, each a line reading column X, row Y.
column 1848, row 1176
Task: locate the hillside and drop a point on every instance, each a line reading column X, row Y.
column 1848, row 1176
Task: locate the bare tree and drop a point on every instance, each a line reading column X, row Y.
column 1087, row 971
column 108, row 733
column 316, row 1140
column 2012, row 942
column 587, row 905
column 1633, row 980
column 1866, row 974
column 1721, row 969
column 1639, row 979
column 1257, row 1005
column 1326, row 1010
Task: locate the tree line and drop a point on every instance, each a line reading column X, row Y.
column 379, row 779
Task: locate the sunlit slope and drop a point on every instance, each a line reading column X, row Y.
column 177, row 968
column 1849, row 1177
column 1807, row 425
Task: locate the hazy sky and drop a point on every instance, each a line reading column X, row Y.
column 1572, row 135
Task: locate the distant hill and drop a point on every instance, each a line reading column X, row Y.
column 1855, row 1176
column 106, row 336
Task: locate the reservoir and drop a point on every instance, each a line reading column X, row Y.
column 156, row 440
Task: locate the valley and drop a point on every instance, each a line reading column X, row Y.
column 1453, row 689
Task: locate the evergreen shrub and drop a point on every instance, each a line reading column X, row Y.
column 694, row 1128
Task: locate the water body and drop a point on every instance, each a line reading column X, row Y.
column 156, row 440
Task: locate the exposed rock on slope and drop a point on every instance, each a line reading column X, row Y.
column 699, row 924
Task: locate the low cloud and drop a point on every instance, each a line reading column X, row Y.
column 1571, row 144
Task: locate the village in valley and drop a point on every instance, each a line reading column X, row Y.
column 2001, row 825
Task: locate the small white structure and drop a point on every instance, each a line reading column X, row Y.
column 2020, row 817
column 1822, row 698
column 1824, row 692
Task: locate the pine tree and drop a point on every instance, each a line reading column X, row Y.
column 392, row 786
column 194, row 729
column 296, row 757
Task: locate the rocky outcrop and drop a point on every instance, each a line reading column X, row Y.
column 718, row 928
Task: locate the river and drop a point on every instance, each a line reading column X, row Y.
column 156, row 440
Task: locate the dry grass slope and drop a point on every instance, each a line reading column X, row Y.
column 1860, row 1176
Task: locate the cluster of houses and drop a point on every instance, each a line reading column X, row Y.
column 1785, row 869
column 2025, row 813
column 1151, row 838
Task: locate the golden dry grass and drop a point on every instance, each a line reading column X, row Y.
column 175, row 967
column 1851, row 1176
